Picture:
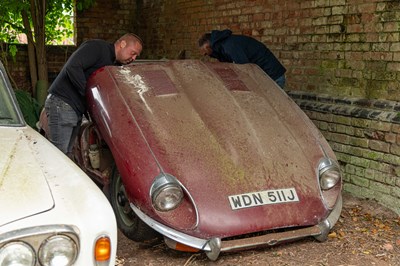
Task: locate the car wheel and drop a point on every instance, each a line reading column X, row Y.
column 128, row 222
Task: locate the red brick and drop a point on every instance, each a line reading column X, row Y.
column 379, row 146
column 390, row 137
column 258, row 17
column 354, row 28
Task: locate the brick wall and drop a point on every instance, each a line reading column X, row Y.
column 107, row 20
column 19, row 68
column 342, row 47
column 365, row 136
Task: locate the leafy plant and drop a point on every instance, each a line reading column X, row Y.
column 44, row 22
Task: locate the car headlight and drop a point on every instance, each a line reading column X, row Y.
column 166, row 193
column 330, row 181
column 17, row 254
column 329, row 174
column 58, row 250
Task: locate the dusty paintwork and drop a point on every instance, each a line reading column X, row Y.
column 16, row 171
column 222, row 130
column 44, row 194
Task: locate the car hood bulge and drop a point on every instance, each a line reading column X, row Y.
column 226, row 131
column 23, row 187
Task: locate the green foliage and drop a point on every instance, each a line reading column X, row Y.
column 58, row 20
column 59, row 26
column 7, row 49
column 84, row 4
column 10, row 19
column 29, row 107
column 12, row 49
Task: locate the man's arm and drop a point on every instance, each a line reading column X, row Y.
column 83, row 58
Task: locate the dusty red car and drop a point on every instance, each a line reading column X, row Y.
column 212, row 156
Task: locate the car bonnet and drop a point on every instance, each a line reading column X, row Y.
column 228, row 130
column 23, row 187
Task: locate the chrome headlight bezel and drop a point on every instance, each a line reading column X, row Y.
column 329, row 174
column 18, row 252
column 56, row 248
column 35, row 236
column 166, row 193
column 330, row 181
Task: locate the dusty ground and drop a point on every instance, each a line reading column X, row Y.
column 366, row 234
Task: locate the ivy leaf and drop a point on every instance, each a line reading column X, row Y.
column 13, row 50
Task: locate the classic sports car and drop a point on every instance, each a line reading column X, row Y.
column 51, row 213
column 215, row 157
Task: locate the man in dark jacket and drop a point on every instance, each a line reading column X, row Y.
column 66, row 104
column 240, row 49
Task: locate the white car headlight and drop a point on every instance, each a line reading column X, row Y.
column 166, row 193
column 329, row 174
column 329, row 178
column 330, row 181
column 17, row 254
column 59, row 250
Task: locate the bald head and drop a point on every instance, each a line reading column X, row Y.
column 127, row 48
column 130, row 37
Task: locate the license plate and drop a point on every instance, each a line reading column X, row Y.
column 265, row 197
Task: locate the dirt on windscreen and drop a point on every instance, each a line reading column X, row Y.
column 366, row 234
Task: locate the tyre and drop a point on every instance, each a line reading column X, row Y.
column 128, row 222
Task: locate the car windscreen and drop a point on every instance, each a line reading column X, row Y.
column 9, row 115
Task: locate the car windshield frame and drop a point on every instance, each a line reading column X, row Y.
column 10, row 113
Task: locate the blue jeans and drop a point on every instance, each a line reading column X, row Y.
column 63, row 123
column 281, row 81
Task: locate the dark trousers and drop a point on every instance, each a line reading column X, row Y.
column 63, row 123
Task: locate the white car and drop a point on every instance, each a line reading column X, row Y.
column 51, row 212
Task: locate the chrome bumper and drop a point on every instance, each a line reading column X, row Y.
column 213, row 247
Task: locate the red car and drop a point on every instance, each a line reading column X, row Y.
column 212, row 156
